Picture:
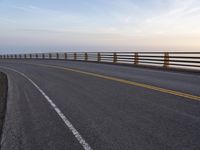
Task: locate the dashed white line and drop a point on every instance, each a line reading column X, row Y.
column 80, row 139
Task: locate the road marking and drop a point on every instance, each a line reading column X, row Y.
column 146, row 86
column 80, row 139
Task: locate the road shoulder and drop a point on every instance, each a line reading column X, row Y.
column 3, row 97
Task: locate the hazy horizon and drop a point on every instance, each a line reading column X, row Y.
column 99, row 25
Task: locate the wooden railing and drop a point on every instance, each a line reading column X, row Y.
column 186, row 60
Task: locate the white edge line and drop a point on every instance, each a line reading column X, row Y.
column 80, row 139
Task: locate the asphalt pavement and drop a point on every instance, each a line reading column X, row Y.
column 106, row 114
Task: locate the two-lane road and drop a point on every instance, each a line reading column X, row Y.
column 59, row 105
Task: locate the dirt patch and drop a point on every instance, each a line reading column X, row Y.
column 3, row 98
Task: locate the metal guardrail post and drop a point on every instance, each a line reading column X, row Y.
column 57, row 55
column 30, row 56
column 99, row 57
column 136, row 58
column 65, row 54
column 20, row 56
column 114, row 57
column 24, row 56
column 86, row 56
column 166, row 60
column 75, row 56
column 36, row 55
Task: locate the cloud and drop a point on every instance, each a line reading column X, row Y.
column 119, row 22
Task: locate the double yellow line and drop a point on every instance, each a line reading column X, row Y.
column 146, row 86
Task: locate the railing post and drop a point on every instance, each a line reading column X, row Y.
column 36, row 56
column 65, row 56
column 30, row 56
column 50, row 56
column 24, row 56
column 75, row 56
column 114, row 57
column 86, row 56
column 43, row 56
column 20, row 56
column 166, row 60
column 136, row 58
column 99, row 57
column 57, row 56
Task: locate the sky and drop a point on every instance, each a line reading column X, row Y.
column 99, row 25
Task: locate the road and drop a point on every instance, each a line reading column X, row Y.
column 59, row 105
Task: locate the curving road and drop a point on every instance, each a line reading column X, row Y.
column 63, row 105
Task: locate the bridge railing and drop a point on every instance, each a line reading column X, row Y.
column 186, row 60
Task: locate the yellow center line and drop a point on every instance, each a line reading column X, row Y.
column 146, row 86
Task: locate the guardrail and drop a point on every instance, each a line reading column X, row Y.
column 185, row 60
